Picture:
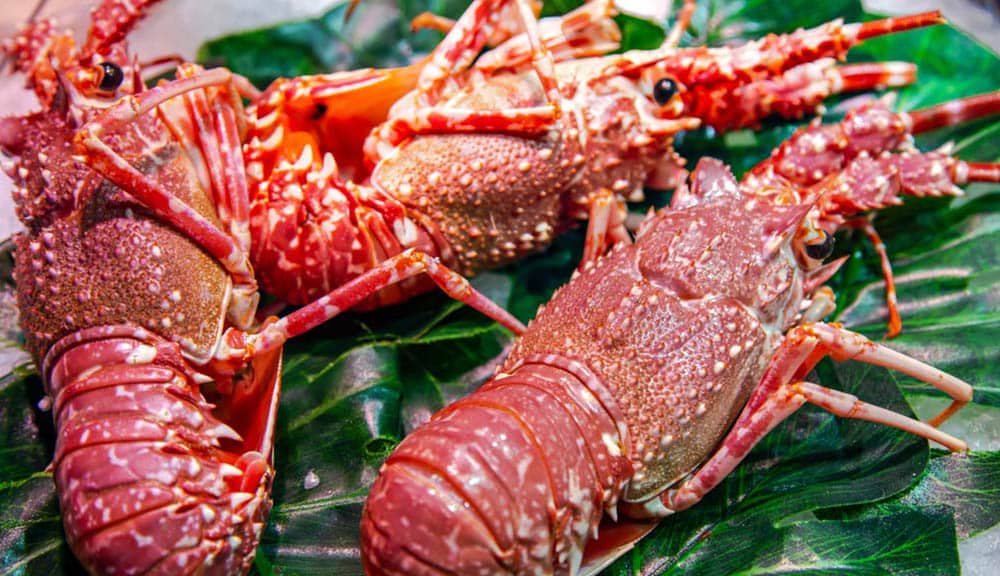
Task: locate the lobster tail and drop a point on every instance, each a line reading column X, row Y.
column 511, row 479
column 150, row 481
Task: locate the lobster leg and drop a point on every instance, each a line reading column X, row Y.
column 865, row 225
column 844, row 344
column 392, row 271
column 454, row 54
column 584, row 32
column 502, row 31
column 218, row 127
column 605, row 227
column 781, row 392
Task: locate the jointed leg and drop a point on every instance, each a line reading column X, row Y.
column 587, row 31
column 865, row 225
column 605, row 226
column 781, row 392
column 504, row 29
column 217, row 123
column 844, row 344
column 394, row 270
column 454, row 55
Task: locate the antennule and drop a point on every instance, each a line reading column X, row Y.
column 954, row 112
column 898, row 24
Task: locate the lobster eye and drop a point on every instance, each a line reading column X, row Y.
column 111, row 76
column 664, row 90
column 822, row 250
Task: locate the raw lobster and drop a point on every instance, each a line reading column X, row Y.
column 151, row 477
column 486, row 162
column 865, row 162
column 651, row 375
column 138, row 302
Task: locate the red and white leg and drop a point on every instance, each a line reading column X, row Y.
column 390, row 272
column 605, row 225
column 587, row 31
column 212, row 126
column 892, row 306
column 455, row 54
column 782, row 391
column 505, row 27
column 680, row 25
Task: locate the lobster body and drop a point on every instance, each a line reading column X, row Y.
column 133, row 296
column 642, row 343
column 476, row 200
column 636, row 389
column 496, row 197
column 486, row 161
column 679, row 327
column 107, row 291
column 94, row 256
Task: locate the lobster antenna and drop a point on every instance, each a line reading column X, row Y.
column 38, row 10
column 683, row 21
column 350, row 9
column 39, row 6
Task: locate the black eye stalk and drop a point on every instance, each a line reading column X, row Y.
column 112, row 76
column 664, row 90
column 822, row 250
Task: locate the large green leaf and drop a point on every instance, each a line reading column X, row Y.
column 967, row 483
column 820, row 495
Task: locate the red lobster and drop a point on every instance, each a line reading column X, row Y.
column 651, row 375
column 484, row 163
column 138, row 302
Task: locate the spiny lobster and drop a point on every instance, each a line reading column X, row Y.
column 138, row 302
column 486, row 162
column 653, row 372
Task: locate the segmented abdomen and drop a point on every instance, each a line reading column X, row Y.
column 513, row 478
column 145, row 482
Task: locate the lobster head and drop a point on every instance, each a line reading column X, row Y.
column 774, row 265
column 788, row 75
column 72, row 83
column 95, row 73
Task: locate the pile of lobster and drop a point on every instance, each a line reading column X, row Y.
column 152, row 215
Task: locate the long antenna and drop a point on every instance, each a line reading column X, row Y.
column 31, row 19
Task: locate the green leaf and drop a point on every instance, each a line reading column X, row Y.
column 820, row 495
column 905, row 543
column 328, row 42
column 967, row 484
